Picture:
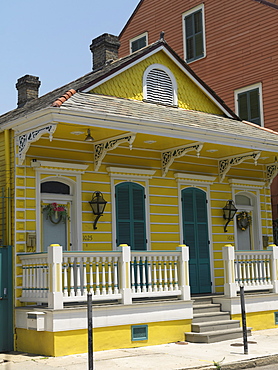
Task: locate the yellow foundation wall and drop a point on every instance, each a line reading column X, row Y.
column 259, row 320
column 76, row 341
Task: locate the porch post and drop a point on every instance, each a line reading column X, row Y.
column 125, row 286
column 55, row 294
column 228, row 253
column 274, row 267
column 184, row 272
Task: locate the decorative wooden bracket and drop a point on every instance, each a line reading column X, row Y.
column 102, row 147
column 24, row 141
column 169, row 156
column 271, row 172
column 225, row 164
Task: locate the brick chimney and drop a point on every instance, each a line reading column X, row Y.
column 28, row 89
column 104, row 49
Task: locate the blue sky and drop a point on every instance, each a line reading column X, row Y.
column 50, row 39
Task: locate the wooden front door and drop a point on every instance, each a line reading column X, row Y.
column 195, row 235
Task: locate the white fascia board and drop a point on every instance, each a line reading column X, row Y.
column 164, row 129
column 33, row 120
column 112, row 75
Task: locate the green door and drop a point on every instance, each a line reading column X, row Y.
column 195, row 235
column 6, row 299
column 130, row 215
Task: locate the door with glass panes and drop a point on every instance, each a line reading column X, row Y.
column 130, row 215
column 195, row 236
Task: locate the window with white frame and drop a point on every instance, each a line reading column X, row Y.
column 248, row 103
column 138, row 42
column 194, row 33
column 159, row 85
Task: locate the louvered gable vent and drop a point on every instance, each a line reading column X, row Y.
column 159, row 87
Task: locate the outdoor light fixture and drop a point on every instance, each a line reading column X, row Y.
column 89, row 137
column 228, row 213
column 98, row 204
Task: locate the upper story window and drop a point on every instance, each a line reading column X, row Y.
column 138, row 42
column 159, row 85
column 248, row 103
column 194, row 33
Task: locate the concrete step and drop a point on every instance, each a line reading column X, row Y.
column 210, row 316
column 213, row 307
column 215, row 336
column 215, row 326
column 202, row 300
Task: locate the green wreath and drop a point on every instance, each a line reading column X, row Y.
column 56, row 213
column 243, row 220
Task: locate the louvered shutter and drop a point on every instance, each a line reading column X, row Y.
column 195, row 231
column 159, row 87
column 130, row 212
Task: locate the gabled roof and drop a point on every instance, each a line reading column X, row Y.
column 108, row 71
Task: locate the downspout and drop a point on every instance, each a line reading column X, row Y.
column 8, row 240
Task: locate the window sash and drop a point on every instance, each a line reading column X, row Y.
column 249, row 106
column 194, row 36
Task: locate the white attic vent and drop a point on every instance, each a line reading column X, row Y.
column 159, row 87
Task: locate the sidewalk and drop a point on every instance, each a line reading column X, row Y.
column 263, row 349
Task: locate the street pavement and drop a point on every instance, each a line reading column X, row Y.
column 227, row 355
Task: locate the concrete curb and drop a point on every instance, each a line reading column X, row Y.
column 244, row 364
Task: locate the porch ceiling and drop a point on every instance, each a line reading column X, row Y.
column 156, row 143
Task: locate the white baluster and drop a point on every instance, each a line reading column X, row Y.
column 144, row 264
column 65, row 290
column 115, row 275
column 91, row 277
column 171, row 273
column 84, row 289
column 165, row 287
column 24, row 278
column 260, row 269
column 252, row 271
column 160, row 274
column 78, row 277
column 138, row 285
column 149, row 266
column 97, row 276
column 45, row 278
column 248, row 276
column 71, row 263
column 268, row 276
column 154, row 274
column 133, row 272
column 103, row 291
column 264, row 281
column 176, row 281
column 110, row 292
column 257, row 271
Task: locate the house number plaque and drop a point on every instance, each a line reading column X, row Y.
column 87, row 237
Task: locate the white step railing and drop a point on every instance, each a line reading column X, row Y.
column 59, row 277
column 254, row 270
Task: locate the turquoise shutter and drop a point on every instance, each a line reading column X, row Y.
column 130, row 213
column 195, row 231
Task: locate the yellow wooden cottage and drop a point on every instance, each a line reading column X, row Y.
column 115, row 184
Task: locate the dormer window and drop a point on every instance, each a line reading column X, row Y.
column 159, row 85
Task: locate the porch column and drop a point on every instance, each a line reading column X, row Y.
column 274, row 267
column 228, row 253
column 125, row 284
column 184, row 272
column 55, row 294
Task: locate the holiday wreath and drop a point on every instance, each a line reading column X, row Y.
column 243, row 220
column 56, row 213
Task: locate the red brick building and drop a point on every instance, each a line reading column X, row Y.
column 231, row 45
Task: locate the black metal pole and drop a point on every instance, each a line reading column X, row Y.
column 90, row 332
column 243, row 317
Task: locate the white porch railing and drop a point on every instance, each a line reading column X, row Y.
column 254, row 270
column 59, row 277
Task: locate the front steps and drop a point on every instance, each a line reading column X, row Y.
column 211, row 325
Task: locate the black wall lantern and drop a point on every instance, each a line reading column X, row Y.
column 98, row 204
column 228, row 213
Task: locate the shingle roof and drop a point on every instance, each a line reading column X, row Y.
column 114, row 107
column 93, row 77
